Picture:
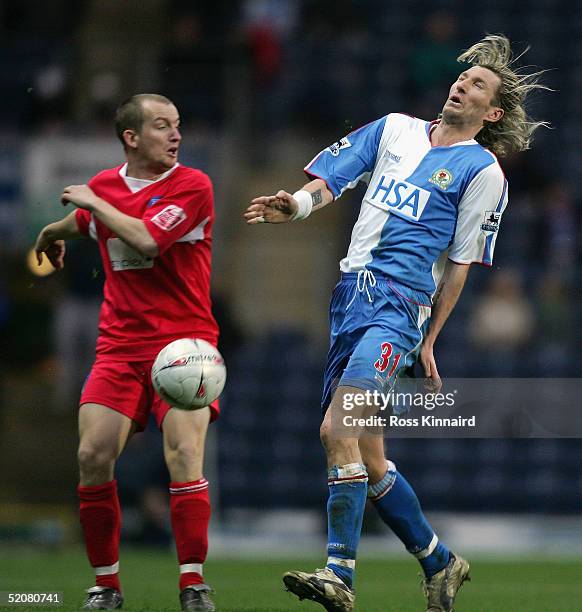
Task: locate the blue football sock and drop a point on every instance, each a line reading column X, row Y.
column 400, row 509
column 348, row 485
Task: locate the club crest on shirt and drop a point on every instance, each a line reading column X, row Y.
column 336, row 147
column 491, row 221
column 169, row 217
column 441, row 178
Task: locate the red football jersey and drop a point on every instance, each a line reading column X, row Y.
column 148, row 302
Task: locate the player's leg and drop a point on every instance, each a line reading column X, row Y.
column 399, row 508
column 332, row 586
column 386, row 349
column 184, row 439
column 395, row 340
column 113, row 405
column 347, row 481
column 103, row 433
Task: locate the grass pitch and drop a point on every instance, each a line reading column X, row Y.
column 150, row 583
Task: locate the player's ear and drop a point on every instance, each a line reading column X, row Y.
column 495, row 114
column 130, row 139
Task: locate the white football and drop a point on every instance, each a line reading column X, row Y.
column 189, row 373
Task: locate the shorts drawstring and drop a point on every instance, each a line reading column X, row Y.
column 365, row 277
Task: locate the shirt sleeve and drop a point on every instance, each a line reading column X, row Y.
column 181, row 215
column 350, row 160
column 86, row 223
column 479, row 217
column 83, row 218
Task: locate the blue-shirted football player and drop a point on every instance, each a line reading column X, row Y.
column 433, row 206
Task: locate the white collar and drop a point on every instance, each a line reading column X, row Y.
column 136, row 184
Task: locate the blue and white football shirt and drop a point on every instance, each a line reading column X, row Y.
column 423, row 203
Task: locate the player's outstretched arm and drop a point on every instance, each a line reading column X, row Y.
column 283, row 206
column 51, row 240
column 444, row 301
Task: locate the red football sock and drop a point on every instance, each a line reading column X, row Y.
column 101, row 521
column 190, row 511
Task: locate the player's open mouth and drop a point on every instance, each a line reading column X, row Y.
column 173, row 151
column 455, row 99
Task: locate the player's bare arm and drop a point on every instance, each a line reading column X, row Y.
column 129, row 229
column 444, row 301
column 283, row 207
column 51, row 240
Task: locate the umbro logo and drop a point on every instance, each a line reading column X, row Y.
column 154, row 200
column 393, row 157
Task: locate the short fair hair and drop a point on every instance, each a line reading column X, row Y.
column 129, row 115
column 514, row 131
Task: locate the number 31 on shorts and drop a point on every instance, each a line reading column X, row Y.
column 386, row 357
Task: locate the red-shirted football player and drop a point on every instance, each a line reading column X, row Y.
column 152, row 219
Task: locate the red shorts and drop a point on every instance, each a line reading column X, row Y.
column 127, row 388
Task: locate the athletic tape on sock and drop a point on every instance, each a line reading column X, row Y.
column 105, row 570
column 423, row 554
column 187, row 568
column 350, row 563
column 348, row 473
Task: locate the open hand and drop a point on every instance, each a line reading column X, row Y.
column 278, row 208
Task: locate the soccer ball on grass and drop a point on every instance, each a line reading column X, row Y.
column 189, row 373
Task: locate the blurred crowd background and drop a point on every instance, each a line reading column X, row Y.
column 262, row 86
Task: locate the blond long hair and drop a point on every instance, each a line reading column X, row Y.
column 514, row 131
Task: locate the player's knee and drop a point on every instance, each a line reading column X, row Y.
column 334, row 443
column 325, row 434
column 184, row 454
column 376, row 468
column 93, row 457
